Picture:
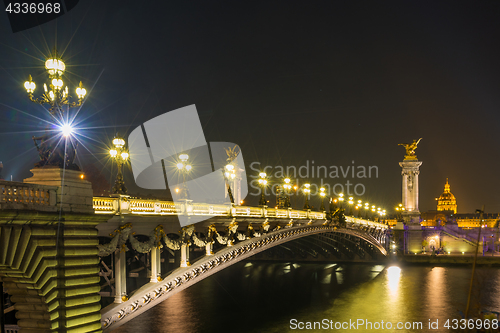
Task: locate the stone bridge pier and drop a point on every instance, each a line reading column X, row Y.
column 49, row 260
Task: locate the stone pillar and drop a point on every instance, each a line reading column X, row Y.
column 410, row 174
column 120, row 275
column 155, row 265
column 74, row 193
column 411, row 214
column 185, row 255
column 209, row 249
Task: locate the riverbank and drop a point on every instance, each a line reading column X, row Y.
column 462, row 259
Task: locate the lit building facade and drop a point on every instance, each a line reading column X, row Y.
column 447, row 201
column 469, row 221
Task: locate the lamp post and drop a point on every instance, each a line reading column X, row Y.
column 367, row 208
column 295, row 188
column 184, row 168
column 263, row 183
column 333, row 204
column 350, row 202
column 120, row 154
column 306, row 191
column 373, row 212
column 322, row 195
column 341, row 200
column 230, row 175
column 53, row 152
column 287, row 186
column 358, row 207
column 333, row 207
column 399, row 211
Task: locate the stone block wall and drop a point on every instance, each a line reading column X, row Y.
column 50, row 266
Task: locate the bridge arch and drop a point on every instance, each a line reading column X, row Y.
column 152, row 294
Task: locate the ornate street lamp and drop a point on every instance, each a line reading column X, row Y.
column 358, row 207
column 230, row 175
column 350, row 202
column 184, row 168
column 400, row 209
column 322, row 194
column 53, row 152
column 367, row 208
column 120, row 154
column 341, row 200
column 287, row 186
column 373, row 212
column 263, row 183
column 306, row 191
column 333, row 205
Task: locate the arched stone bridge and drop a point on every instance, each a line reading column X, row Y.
column 229, row 235
column 51, row 250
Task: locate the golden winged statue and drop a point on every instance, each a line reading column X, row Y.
column 410, row 149
column 232, row 153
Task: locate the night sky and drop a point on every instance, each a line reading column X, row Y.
column 331, row 82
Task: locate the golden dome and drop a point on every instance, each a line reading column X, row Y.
column 447, row 201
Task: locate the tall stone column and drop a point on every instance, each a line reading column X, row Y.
column 411, row 214
column 410, row 174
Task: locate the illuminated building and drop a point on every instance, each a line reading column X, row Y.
column 447, row 201
column 468, row 221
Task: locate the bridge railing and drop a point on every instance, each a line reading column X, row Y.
column 367, row 223
column 126, row 205
column 16, row 195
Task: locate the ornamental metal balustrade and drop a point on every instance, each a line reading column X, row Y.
column 17, row 195
column 126, row 205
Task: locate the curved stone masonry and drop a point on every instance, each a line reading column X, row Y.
column 116, row 315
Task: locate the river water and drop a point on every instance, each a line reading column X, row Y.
column 275, row 297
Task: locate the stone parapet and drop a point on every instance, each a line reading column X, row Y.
column 74, row 194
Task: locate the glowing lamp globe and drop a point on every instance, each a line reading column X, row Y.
column 113, row 152
column 30, row 85
column 125, row 156
column 57, row 83
column 118, row 142
column 80, row 91
column 184, row 157
column 55, row 66
column 66, row 130
column 188, row 167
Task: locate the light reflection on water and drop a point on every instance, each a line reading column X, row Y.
column 263, row 297
column 393, row 276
